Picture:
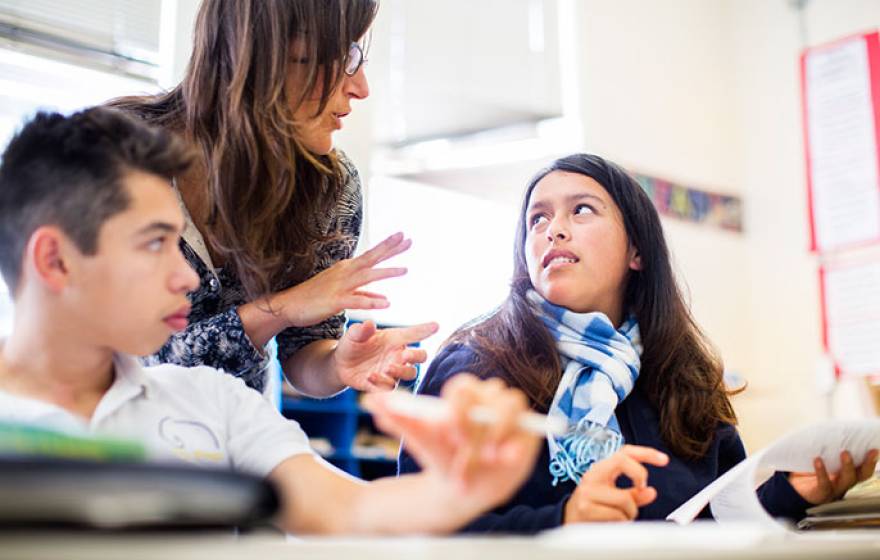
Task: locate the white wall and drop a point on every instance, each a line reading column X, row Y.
column 783, row 277
column 707, row 93
column 767, row 40
column 656, row 97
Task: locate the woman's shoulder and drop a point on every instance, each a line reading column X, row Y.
column 351, row 177
column 348, row 212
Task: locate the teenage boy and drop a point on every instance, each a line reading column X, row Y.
column 89, row 232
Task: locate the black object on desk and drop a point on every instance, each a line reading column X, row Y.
column 38, row 492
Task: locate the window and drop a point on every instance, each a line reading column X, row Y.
column 500, row 67
column 64, row 56
column 461, row 260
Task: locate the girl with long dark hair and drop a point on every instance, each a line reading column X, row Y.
column 274, row 211
column 595, row 331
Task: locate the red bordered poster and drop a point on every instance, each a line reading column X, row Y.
column 850, row 295
column 840, row 86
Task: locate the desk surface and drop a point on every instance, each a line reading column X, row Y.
column 209, row 546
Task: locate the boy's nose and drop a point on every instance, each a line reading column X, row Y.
column 185, row 279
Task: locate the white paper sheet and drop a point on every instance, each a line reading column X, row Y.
column 732, row 497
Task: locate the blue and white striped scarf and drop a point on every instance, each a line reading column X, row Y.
column 600, row 366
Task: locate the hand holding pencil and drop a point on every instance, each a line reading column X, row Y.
column 479, row 438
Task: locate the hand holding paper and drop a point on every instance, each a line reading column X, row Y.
column 820, row 487
column 732, row 496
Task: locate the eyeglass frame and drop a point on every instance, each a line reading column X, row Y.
column 354, row 47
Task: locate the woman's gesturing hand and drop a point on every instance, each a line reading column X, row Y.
column 597, row 497
column 371, row 359
column 339, row 287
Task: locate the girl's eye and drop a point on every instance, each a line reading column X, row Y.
column 584, row 209
column 299, row 60
column 536, row 219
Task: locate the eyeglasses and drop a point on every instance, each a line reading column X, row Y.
column 354, row 59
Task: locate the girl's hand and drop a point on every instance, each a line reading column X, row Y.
column 338, row 288
column 820, row 487
column 597, row 497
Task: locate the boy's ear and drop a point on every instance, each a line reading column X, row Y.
column 46, row 256
column 635, row 259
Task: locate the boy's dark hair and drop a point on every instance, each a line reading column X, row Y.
column 68, row 171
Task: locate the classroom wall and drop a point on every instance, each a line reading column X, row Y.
column 656, row 97
column 768, row 38
column 707, row 93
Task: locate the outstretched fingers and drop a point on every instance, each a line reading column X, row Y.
column 390, row 247
column 404, row 336
column 370, row 275
column 414, row 356
column 402, row 371
column 361, row 300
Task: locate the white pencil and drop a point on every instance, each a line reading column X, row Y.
column 433, row 408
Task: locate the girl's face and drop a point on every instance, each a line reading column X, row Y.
column 316, row 132
column 576, row 248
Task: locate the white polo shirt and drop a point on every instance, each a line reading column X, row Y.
column 195, row 415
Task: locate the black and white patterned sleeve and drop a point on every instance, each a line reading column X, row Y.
column 218, row 341
column 347, row 221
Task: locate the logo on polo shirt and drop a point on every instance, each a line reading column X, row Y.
column 190, row 440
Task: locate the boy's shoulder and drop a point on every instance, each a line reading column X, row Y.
column 195, row 380
column 172, row 373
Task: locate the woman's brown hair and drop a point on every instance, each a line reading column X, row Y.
column 267, row 193
column 681, row 374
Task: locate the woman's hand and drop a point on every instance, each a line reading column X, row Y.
column 338, row 288
column 369, row 359
column 483, row 464
column 597, row 497
column 819, row 487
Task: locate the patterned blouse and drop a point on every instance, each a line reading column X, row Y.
column 215, row 336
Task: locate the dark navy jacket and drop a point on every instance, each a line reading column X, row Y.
column 538, row 505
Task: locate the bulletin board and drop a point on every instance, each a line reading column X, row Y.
column 840, row 86
column 841, row 93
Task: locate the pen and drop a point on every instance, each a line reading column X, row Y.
column 433, row 408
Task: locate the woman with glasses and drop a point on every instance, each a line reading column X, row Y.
column 274, row 211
